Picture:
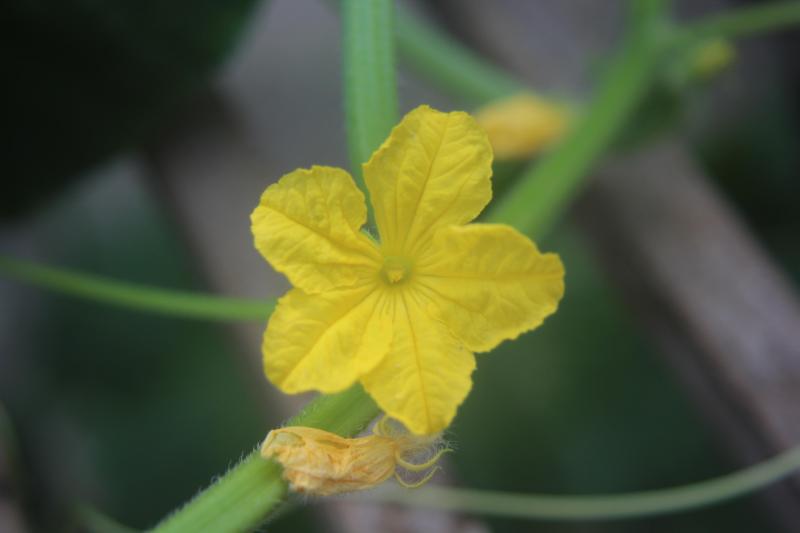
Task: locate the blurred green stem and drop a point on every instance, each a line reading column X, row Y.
column 546, row 188
column 616, row 506
column 246, row 495
column 739, row 22
column 135, row 296
column 370, row 90
column 454, row 68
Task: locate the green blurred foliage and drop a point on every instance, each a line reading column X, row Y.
column 87, row 78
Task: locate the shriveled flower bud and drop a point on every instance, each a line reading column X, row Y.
column 322, row 463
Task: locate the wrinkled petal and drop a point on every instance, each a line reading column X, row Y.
column 325, row 341
column 427, row 372
column 432, row 171
column 307, row 226
column 489, row 283
column 322, row 463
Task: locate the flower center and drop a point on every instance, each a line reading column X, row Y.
column 395, row 270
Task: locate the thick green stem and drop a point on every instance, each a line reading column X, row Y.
column 245, row 496
column 544, row 190
column 370, row 89
column 135, row 296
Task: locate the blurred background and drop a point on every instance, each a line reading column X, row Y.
column 137, row 138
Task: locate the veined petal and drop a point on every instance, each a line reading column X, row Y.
column 427, row 372
column 489, row 283
column 307, row 226
column 325, row 341
column 434, row 170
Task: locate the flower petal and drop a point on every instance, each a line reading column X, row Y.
column 427, row 372
column 434, row 170
column 307, row 226
column 325, row 341
column 489, row 283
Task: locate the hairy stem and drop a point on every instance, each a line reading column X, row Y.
column 247, row 494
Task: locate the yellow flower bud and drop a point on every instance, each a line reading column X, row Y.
column 712, row 57
column 522, row 125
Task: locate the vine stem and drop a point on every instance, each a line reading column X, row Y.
column 448, row 64
column 460, row 72
column 135, row 296
column 740, row 22
column 544, row 190
column 589, row 507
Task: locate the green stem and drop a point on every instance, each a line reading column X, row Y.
column 245, row 496
column 544, row 191
column 450, row 65
column 135, row 296
column 739, row 22
column 370, row 89
column 630, row 505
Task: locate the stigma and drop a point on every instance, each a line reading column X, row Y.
column 395, row 270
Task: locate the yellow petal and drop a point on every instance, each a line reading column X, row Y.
column 489, row 283
column 522, row 125
column 307, row 227
column 321, row 463
column 434, row 170
column 427, row 372
column 325, row 341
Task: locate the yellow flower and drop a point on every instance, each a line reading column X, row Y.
column 522, row 125
column 322, row 463
column 402, row 316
